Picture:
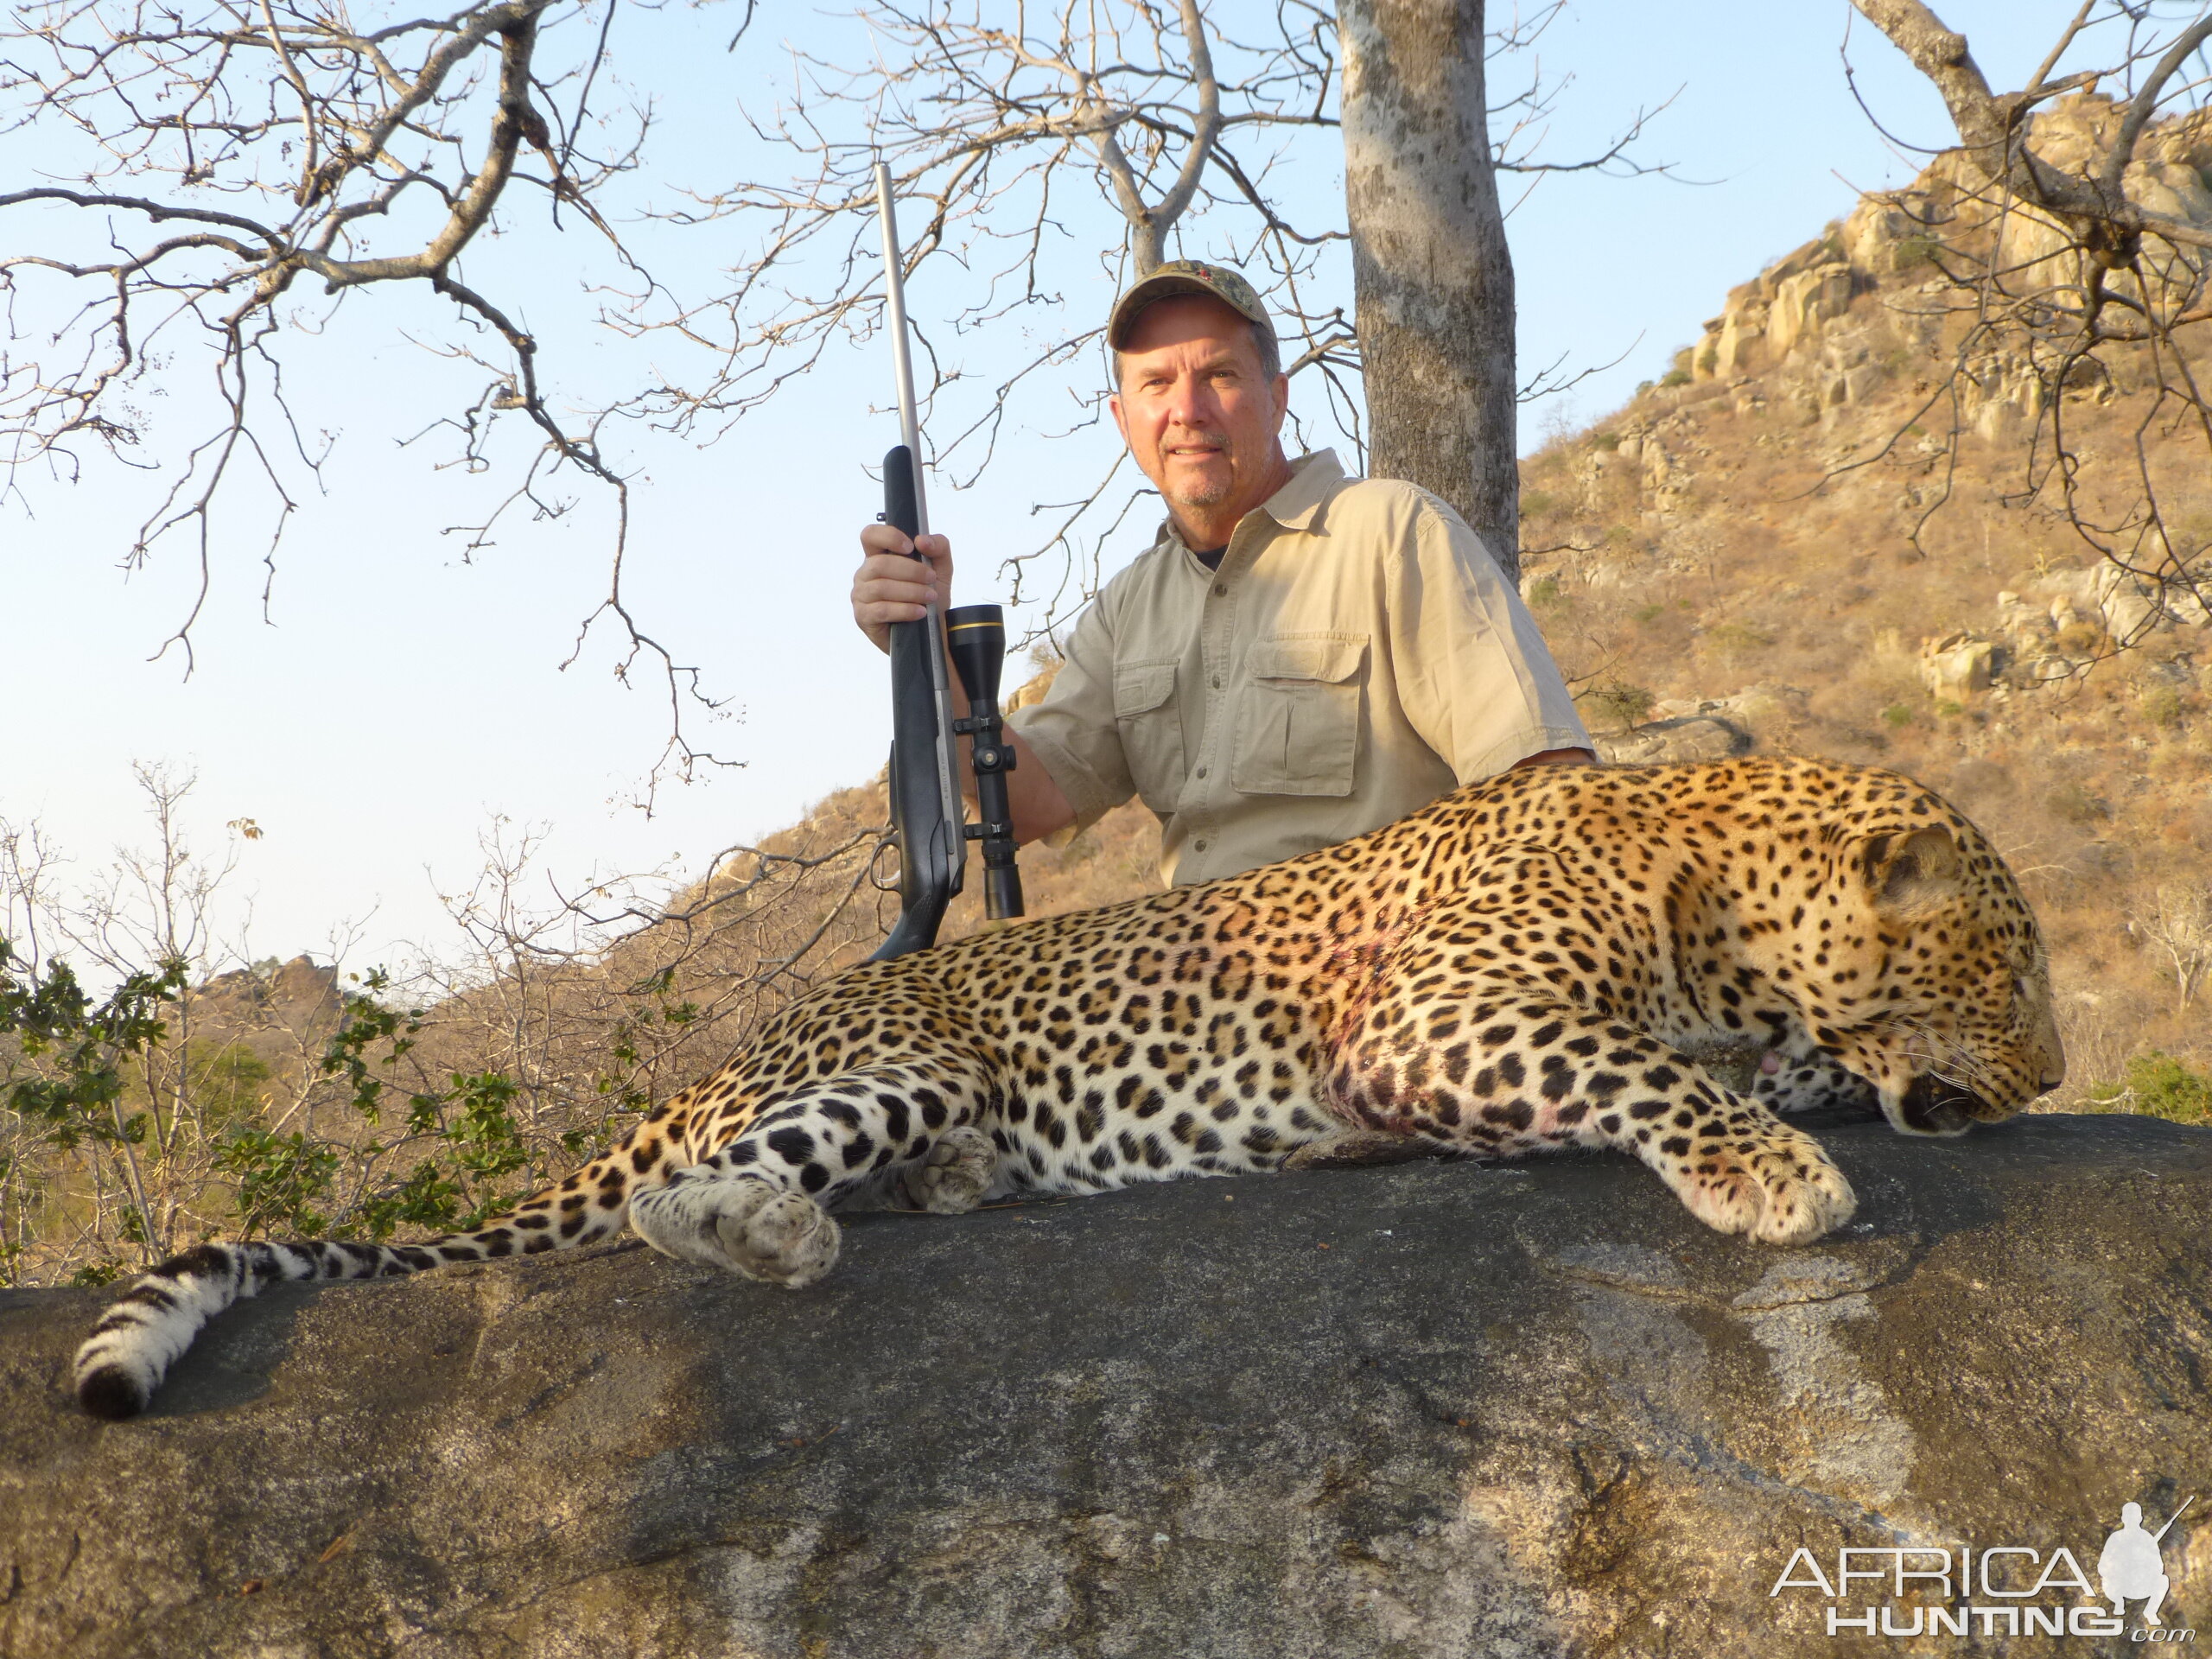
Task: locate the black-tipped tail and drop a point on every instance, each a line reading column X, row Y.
column 111, row 1392
column 148, row 1329
column 149, row 1325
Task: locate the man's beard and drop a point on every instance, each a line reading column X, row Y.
column 1206, row 491
column 1205, row 495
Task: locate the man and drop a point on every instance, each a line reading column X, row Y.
column 2130, row 1567
column 1300, row 657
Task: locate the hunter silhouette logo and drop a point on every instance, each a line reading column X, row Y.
column 2131, row 1567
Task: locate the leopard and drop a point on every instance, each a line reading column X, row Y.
column 1533, row 962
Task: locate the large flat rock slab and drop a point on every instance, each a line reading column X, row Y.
column 1430, row 1410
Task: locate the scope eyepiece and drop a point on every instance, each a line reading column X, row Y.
column 974, row 636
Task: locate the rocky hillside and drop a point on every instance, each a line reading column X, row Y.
column 1836, row 526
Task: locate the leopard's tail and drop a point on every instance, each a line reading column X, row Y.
column 137, row 1341
column 145, row 1332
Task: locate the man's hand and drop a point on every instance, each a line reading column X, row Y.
column 892, row 586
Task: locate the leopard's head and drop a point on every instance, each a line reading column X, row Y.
column 1920, row 968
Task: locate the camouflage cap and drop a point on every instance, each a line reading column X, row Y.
column 1184, row 276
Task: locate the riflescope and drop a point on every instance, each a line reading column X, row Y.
column 974, row 636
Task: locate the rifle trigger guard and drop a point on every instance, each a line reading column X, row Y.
column 875, row 876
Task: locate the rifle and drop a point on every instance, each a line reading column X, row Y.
column 927, row 817
column 2160, row 1534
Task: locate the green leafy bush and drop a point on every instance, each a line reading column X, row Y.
column 2162, row 706
column 1917, row 251
column 2157, row 1085
column 1733, row 637
column 284, row 1181
column 1625, row 704
column 67, row 1068
column 66, row 1078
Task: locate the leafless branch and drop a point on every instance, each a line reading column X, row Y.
column 228, row 152
column 2069, row 262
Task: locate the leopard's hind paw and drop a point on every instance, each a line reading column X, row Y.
column 952, row 1179
column 741, row 1224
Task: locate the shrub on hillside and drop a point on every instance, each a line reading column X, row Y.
column 2072, row 803
column 1733, row 637
column 2162, row 706
column 2157, row 1085
column 1626, row 705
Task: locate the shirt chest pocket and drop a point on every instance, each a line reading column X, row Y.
column 1151, row 728
column 1298, row 727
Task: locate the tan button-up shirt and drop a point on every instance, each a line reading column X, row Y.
column 1358, row 654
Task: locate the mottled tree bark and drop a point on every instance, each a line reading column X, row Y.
column 1433, row 277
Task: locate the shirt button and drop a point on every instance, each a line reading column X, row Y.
column 1220, row 587
column 1201, row 771
column 1216, row 682
column 1200, row 844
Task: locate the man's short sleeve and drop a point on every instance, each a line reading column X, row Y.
column 1072, row 731
column 1475, row 677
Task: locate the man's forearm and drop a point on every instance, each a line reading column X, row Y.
column 1035, row 801
column 1039, row 807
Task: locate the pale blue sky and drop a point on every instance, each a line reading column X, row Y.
column 399, row 699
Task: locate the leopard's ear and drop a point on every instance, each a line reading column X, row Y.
column 1910, row 873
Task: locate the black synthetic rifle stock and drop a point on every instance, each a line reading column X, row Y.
column 927, row 819
column 925, row 809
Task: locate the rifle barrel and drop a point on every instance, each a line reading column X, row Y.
column 926, row 813
column 2170, row 1519
column 894, row 292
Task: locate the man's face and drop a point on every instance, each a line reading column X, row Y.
column 1198, row 412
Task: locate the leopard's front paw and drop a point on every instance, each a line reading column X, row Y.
column 1776, row 1185
column 953, row 1178
column 741, row 1225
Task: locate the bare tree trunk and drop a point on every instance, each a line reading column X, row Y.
column 1432, row 279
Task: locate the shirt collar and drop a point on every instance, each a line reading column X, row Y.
column 1313, row 479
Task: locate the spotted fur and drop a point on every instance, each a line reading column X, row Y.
column 1532, row 962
